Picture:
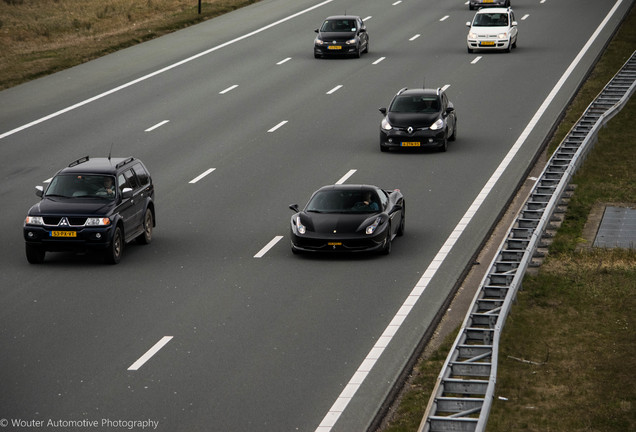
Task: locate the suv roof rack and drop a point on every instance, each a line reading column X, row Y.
column 79, row 161
column 124, row 162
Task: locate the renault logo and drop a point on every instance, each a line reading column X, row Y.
column 409, row 129
column 63, row 222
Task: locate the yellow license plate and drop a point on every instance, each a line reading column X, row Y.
column 487, row 43
column 335, row 47
column 63, row 234
column 335, row 243
column 488, row 1
column 411, row 144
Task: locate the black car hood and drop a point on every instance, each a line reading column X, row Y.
column 417, row 120
column 336, row 36
column 72, row 206
column 327, row 223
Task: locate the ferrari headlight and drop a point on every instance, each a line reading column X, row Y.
column 385, row 124
column 502, row 35
column 371, row 228
column 34, row 220
column 351, row 41
column 437, row 125
column 97, row 222
column 299, row 226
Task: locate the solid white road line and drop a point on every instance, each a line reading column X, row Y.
column 165, row 69
column 156, row 126
column 278, row 126
column 230, row 88
column 268, row 246
column 151, row 352
column 199, row 177
column 363, row 371
column 346, row 176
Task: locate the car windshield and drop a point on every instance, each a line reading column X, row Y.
column 344, row 201
column 339, row 25
column 491, row 20
column 415, row 104
column 82, row 186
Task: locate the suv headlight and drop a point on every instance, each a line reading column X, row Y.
column 34, row 220
column 299, row 226
column 385, row 124
column 97, row 222
column 437, row 125
column 371, row 228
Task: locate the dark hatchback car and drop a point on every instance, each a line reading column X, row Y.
column 348, row 218
column 92, row 204
column 476, row 4
column 418, row 118
column 342, row 35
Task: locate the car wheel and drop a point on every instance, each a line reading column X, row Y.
column 514, row 45
column 114, row 252
column 386, row 250
column 146, row 236
column 35, row 254
column 366, row 49
column 383, row 148
column 357, row 53
column 444, row 145
column 453, row 137
column 470, row 51
column 317, row 55
column 400, row 231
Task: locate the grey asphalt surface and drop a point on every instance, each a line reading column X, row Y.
column 269, row 343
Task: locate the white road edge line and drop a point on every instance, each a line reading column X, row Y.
column 199, row 177
column 345, row 177
column 335, row 89
column 160, row 71
column 279, row 125
column 229, row 89
column 157, row 126
column 268, row 246
column 151, row 352
column 364, row 369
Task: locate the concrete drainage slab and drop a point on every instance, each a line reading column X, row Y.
column 617, row 228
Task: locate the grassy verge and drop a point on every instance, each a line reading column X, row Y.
column 39, row 37
column 568, row 356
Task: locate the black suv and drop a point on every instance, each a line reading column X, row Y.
column 418, row 118
column 98, row 203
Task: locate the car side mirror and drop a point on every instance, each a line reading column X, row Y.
column 382, row 110
column 468, row 24
column 294, row 207
column 362, row 30
column 39, row 191
column 514, row 23
column 127, row 193
column 450, row 110
column 317, row 31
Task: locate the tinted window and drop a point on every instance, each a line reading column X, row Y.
column 142, row 175
column 131, row 179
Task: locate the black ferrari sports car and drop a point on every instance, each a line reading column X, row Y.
column 348, row 218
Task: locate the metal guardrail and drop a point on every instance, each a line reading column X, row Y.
column 465, row 387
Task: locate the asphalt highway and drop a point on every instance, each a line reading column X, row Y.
column 216, row 326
